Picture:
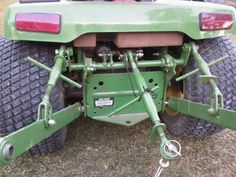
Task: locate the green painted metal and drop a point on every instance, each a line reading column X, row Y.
column 79, row 18
column 185, row 54
column 22, row 140
column 118, row 86
column 46, row 68
column 121, row 98
column 124, row 119
column 150, row 107
column 197, row 70
column 170, row 69
column 225, row 118
column 45, row 107
column 144, row 90
column 153, row 90
column 125, row 97
column 207, row 78
column 93, row 66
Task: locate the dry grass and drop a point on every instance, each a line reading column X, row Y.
column 96, row 149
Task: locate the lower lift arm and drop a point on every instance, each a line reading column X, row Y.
column 22, row 140
column 225, row 118
column 213, row 113
column 47, row 123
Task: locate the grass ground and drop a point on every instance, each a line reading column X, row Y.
column 96, row 149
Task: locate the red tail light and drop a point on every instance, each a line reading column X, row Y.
column 38, row 22
column 215, row 21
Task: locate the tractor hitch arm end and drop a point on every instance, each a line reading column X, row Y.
column 16, row 143
column 225, row 118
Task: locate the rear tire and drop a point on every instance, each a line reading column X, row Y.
column 22, row 86
column 194, row 90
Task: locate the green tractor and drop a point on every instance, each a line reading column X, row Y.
column 120, row 62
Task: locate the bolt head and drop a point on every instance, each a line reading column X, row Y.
column 56, row 51
column 51, row 122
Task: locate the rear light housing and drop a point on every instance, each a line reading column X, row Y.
column 38, row 22
column 215, row 21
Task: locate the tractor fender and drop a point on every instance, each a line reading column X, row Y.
column 78, row 18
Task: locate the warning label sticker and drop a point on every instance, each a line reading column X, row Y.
column 103, row 102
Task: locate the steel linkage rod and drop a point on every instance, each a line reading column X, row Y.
column 44, row 67
column 197, row 70
column 130, row 102
column 208, row 78
column 146, row 97
column 120, row 65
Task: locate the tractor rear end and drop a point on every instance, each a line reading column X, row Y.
column 145, row 60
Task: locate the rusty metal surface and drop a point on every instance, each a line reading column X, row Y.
column 133, row 40
column 86, row 40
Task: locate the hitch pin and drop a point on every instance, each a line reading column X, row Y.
column 172, row 148
column 162, row 164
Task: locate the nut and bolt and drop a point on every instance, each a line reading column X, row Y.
column 51, row 122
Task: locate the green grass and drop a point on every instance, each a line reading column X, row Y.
column 96, row 149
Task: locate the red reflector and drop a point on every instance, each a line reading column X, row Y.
column 213, row 21
column 38, row 22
